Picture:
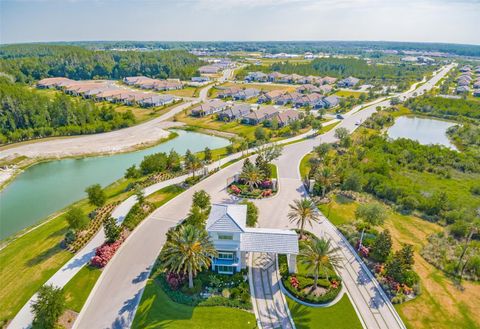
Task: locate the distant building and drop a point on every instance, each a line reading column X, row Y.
column 331, row 101
column 246, row 94
column 462, row 90
column 235, row 112
column 286, row 117
column 260, row 115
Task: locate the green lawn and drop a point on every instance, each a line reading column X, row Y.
column 339, row 316
column 79, row 287
column 305, row 165
column 273, row 170
column 348, row 93
column 157, row 310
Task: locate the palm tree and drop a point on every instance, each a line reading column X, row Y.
column 319, row 256
column 188, row 250
column 326, row 177
column 252, row 176
column 303, row 211
column 194, row 165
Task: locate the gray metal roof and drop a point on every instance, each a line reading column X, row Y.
column 269, row 240
column 227, row 218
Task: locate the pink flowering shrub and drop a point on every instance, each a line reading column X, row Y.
column 104, row 253
column 235, row 189
column 175, row 280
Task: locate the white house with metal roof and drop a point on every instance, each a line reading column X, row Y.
column 226, row 226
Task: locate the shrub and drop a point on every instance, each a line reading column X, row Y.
column 104, row 253
column 48, row 306
column 112, row 231
column 76, row 219
column 175, row 280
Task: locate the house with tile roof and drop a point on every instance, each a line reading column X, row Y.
column 260, row 115
column 235, row 112
column 233, row 240
column 210, row 107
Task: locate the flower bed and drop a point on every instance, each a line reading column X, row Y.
column 210, row 289
column 105, row 252
column 264, row 189
column 300, row 285
column 80, row 239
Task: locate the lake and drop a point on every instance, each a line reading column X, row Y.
column 424, row 130
column 47, row 187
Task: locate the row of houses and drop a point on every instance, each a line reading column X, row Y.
column 238, row 93
column 156, row 84
column 288, row 78
column 245, row 112
column 106, row 90
column 467, row 79
column 297, row 99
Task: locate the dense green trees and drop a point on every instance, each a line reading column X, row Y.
column 445, row 107
column 28, row 63
column 27, row 114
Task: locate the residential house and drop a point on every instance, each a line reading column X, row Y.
column 237, row 111
column 328, row 80
column 210, row 107
column 228, row 92
column 170, row 84
column 233, row 240
column 331, row 101
column 348, row 82
column 462, row 89
column 157, row 100
column 246, row 94
column 52, row 82
column 286, row 117
column 256, row 76
column 200, row 79
column 465, row 68
column 476, row 85
column 308, row 88
column 276, row 77
column 476, row 93
column 209, row 69
column 260, row 115
column 309, row 100
column 288, row 98
column 325, row 89
column 270, row 96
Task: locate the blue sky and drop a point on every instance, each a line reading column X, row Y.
column 454, row 21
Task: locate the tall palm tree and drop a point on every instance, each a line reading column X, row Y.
column 252, row 176
column 188, row 250
column 303, row 211
column 318, row 255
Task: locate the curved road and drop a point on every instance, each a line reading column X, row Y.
column 115, row 297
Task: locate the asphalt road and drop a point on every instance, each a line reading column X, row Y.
column 116, row 295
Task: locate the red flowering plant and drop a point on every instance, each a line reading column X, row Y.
column 235, row 190
column 266, row 193
column 294, row 282
column 364, row 251
column 334, row 284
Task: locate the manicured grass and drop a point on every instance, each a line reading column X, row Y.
column 185, row 92
column 164, row 195
column 441, row 305
column 339, row 316
column 157, row 310
column 273, row 170
column 305, row 165
column 28, row 262
column 209, row 122
column 79, row 287
column 348, row 93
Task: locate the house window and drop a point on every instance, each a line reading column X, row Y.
column 222, row 269
column 225, row 237
column 225, row 255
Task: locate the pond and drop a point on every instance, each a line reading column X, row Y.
column 424, row 130
column 48, row 187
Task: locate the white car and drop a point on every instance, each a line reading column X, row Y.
column 358, row 123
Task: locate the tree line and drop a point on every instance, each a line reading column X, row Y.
column 445, row 107
column 27, row 114
column 31, row 62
